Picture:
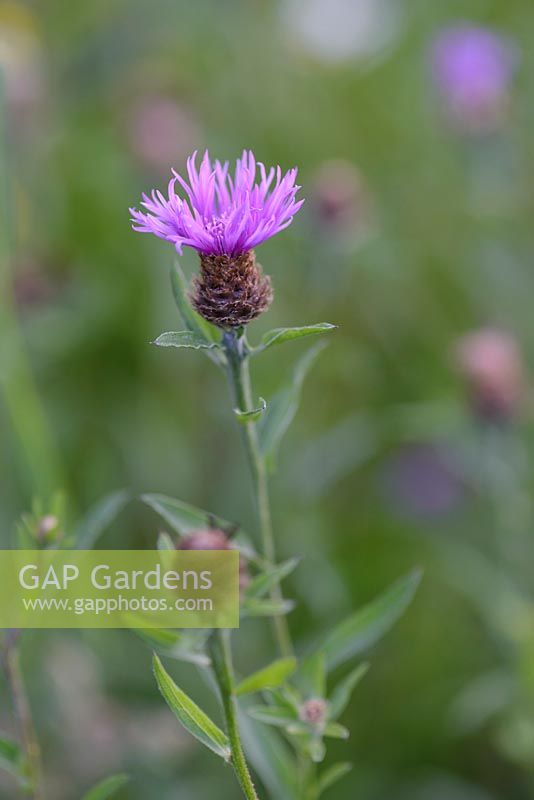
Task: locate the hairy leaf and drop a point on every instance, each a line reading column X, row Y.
column 190, row 715
column 279, row 335
column 183, row 339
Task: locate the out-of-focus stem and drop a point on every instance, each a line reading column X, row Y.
column 221, row 656
column 25, row 723
column 239, row 378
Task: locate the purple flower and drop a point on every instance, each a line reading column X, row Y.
column 221, row 214
column 473, row 68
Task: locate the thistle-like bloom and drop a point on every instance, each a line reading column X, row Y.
column 224, row 217
column 473, row 69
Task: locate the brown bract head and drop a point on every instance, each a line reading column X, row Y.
column 231, row 291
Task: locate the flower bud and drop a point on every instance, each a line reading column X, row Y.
column 47, row 529
column 215, row 539
column 491, row 364
column 313, row 711
column 205, row 539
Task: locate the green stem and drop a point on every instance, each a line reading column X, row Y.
column 25, row 723
column 222, row 664
column 239, row 379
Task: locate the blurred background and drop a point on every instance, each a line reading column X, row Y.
column 411, row 124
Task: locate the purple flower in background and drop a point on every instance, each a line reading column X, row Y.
column 473, row 68
column 221, row 214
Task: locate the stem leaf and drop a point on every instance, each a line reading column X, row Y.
column 279, row 335
column 343, row 691
column 265, row 581
column 272, row 715
column 182, row 517
column 366, row 626
column 332, row 775
column 181, row 645
column 336, row 731
column 190, row 715
column 283, row 407
column 267, row 608
column 99, row 518
column 183, row 339
column 106, row 788
column 275, row 674
column 253, row 415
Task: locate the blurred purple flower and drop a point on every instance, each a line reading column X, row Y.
column 491, row 363
column 223, row 215
column 422, row 482
column 473, row 68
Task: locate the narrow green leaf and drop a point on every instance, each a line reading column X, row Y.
column 180, row 645
column 192, row 321
column 267, row 608
column 106, row 788
column 271, row 758
column 11, row 758
column 279, row 335
column 99, row 518
column 182, row 517
column 367, row 625
column 284, row 405
column 183, row 339
column 264, row 582
column 342, row 693
column 336, row 731
column 311, row 677
column 332, row 775
column 269, row 677
column 190, row 715
column 165, row 542
column 288, row 698
column 272, row 715
column 253, row 415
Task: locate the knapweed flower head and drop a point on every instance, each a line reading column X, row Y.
column 224, row 217
column 221, row 214
column 473, row 69
column 491, row 363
